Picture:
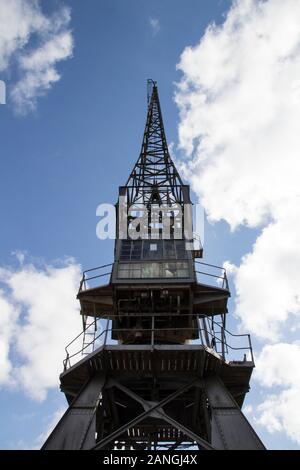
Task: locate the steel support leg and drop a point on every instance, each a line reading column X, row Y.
column 154, row 410
column 230, row 428
column 76, row 429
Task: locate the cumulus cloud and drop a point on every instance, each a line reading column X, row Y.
column 239, row 104
column 51, row 423
column 267, row 280
column 9, row 315
column 36, row 443
column 40, row 315
column 18, row 20
column 34, row 43
column 278, row 365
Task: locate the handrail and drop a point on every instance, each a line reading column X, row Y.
column 98, row 267
column 209, row 274
column 96, row 277
column 223, row 277
column 158, row 314
column 213, row 337
column 197, row 238
column 210, row 265
column 80, row 334
column 244, row 348
column 84, row 278
column 229, row 332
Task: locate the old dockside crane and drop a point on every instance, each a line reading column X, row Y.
column 156, row 369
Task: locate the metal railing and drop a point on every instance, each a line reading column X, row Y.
column 86, row 277
column 206, row 335
column 197, row 243
column 216, row 272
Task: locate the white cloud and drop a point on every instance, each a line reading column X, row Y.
column 278, row 365
column 239, row 103
column 51, row 423
column 41, row 315
column 9, row 316
column 248, row 410
column 37, row 442
column 20, row 255
column 20, row 22
column 155, row 25
column 267, row 281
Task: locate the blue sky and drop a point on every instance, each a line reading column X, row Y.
column 70, row 153
column 61, row 154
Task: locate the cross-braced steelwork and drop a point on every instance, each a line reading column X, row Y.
column 155, row 367
column 154, row 178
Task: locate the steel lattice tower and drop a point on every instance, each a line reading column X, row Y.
column 156, row 369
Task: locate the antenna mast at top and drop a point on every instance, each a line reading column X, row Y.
column 150, row 84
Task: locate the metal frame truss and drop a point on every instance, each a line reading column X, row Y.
column 154, row 178
column 77, row 428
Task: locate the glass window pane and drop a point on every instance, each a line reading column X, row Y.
column 180, row 249
column 182, row 269
column 169, row 270
column 153, row 249
column 136, row 252
column 125, row 249
column 146, row 249
column 182, row 273
column 124, row 273
column 148, row 270
column 169, row 249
